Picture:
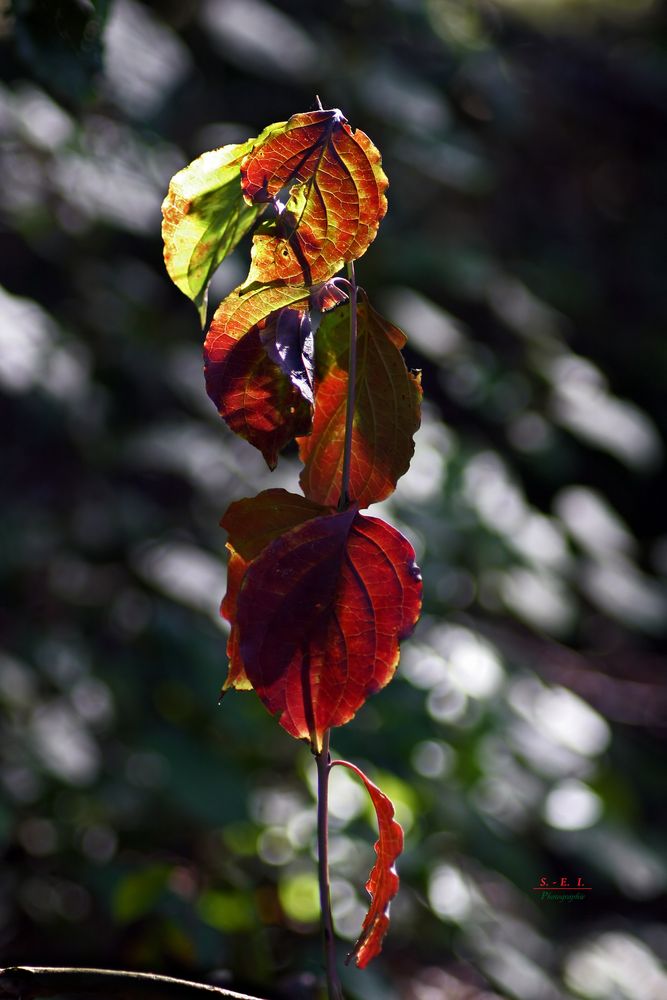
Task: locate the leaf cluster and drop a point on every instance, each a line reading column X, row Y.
column 319, row 595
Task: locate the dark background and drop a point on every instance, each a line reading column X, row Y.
column 524, row 254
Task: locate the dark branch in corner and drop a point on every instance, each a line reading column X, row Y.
column 29, row 982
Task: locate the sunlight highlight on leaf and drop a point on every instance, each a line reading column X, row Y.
column 205, row 216
column 335, row 201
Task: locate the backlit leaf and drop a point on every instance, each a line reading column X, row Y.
column 387, row 412
column 253, row 523
column 320, row 612
column 255, row 398
column 247, row 305
column 382, row 884
column 205, row 216
column 336, row 197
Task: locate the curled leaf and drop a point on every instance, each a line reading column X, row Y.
column 336, row 197
column 382, row 884
column 320, row 613
column 387, row 411
column 326, row 295
column 287, row 338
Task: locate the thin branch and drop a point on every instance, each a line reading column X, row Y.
column 351, row 391
column 29, row 982
column 323, row 768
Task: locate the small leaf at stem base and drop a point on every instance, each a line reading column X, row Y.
column 382, row 884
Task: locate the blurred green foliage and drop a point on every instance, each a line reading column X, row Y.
column 144, row 827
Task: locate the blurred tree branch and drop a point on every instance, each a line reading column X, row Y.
column 29, row 982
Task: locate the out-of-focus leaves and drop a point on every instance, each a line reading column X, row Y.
column 517, row 294
column 382, row 884
column 333, row 175
column 229, row 912
column 387, row 411
column 61, row 42
column 337, row 594
column 138, row 892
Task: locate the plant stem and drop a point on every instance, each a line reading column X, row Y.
column 351, row 391
column 323, row 758
column 323, row 768
column 28, row 982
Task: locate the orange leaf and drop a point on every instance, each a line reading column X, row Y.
column 320, row 613
column 255, row 398
column 236, row 675
column 382, row 883
column 387, row 412
column 336, row 199
column 247, row 305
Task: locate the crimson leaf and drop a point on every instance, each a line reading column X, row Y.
column 319, row 615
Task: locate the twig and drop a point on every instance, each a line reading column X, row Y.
column 30, row 982
column 323, row 768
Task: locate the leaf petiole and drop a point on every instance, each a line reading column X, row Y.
column 323, row 760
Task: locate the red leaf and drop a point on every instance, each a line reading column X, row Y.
column 253, row 524
column 336, row 197
column 382, row 883
column 255, row 398
column 320, row 614
column 236, row 675
column 387, row 412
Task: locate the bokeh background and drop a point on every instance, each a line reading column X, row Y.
column 143, row 826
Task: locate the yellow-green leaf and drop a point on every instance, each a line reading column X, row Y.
column 205, row 216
